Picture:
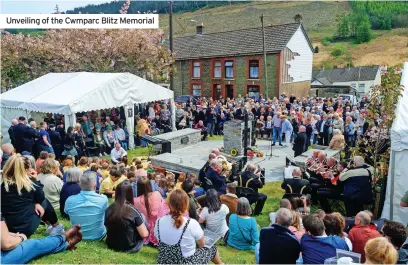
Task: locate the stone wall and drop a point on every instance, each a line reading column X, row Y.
column 182, row 138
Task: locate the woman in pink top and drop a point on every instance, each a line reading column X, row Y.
column 151, row 205
column 296, row 227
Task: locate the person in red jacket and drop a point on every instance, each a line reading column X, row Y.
column 361, row 233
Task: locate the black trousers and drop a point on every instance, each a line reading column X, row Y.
column 353, row 206
column 49, row 213
column 324, row 194
column 259, row 200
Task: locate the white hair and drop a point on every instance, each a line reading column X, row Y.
column 336, row 131
column 284, row 217
column 358, row 161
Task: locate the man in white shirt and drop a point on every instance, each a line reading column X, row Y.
column 118, row 154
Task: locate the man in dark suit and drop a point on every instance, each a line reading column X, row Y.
column 203, row 171
column 19, row 131
column 14, row 122
column 217, row 180
column 251, row 179
column 319, row 126
column 300, row 141
column 56, row 140
column 296, row 184
column 31, row 137
column 240, row 113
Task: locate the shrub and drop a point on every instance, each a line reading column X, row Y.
column 316, row 49
column 326, row 41
column 338, row 50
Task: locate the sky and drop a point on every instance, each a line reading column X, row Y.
column 42, row 7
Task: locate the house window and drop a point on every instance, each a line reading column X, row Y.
column 229, row 69
column 196, row 69
column 217, row 69
column 197, row 90
column 253, row 69
column 253, row 91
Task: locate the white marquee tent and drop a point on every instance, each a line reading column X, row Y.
column 397, row 175
column 70, row 93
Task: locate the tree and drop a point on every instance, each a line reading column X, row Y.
column 343, row 30
column 374, row 144
column 24, row 58
column 363, row 31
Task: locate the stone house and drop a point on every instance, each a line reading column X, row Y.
column 231, row 63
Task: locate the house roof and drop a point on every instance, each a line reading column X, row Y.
column 362, row 73
column 237, row 42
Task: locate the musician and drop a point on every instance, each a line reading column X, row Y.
column 316, row 180
column 251, row 179
column 118, row 154
column 335, row 188
column 203, row 171
column 218, row 181
column 295, row 184
column 313, row 159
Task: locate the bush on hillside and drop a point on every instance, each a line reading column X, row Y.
column 338, row 50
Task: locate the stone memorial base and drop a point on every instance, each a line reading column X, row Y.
column 180, row 139
column 234, row 136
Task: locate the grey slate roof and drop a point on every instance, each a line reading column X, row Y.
column 237, row 42
column 346, row 74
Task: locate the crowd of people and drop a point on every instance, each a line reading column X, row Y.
column 48, row 169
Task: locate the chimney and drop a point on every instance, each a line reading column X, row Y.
column 200, row 29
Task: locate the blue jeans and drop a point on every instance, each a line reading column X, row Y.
column 124, row 144
column 277, row 131
column 33, row 248
column 257, row 246
column 47, row 148
column 210, row 127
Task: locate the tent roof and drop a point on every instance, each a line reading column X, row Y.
column 67, row 93
column 399, row 130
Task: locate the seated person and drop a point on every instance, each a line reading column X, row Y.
column 296, row 184
column 313, row 159
column 250, row 178
column 71, row 187
column 284, row 203
column 218, row 181
column 316, row 179
column 380, row 251
column 109, row 184
column 52, row 184
column 396, row 233
column 260, row 127
column 334, row 188
column 193, row 208
column 17, row 249
column 204, row 132
column 24, row 206
column 88, row 208
column 243, row 229
column 286, row 247
column 230, row 199
column 316, row 246
column 125, row 224
column 118, row 154
column 214, row 215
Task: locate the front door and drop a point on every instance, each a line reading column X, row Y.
column 230, row 91
column 217, row 91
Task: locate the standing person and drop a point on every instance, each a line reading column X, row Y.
column 361, row 233
column 87, row 128
column 277, row 128
column 88, row 208
column 14, row 122
column 70, row 144
column 300, row 141
column 19, row 131
column 23, row 202
column 286, row 246
column 124, row 223
column 338, row 122
column 45, row 141
column 182, row 237
column 287, row 129
column 210, row 117
column 214, row 214
column 56, row 140
column 149, row 203
column 309, row 132
column 243, row 229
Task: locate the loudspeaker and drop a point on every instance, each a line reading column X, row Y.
column 166, row 147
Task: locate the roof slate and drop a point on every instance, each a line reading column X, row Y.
column 237, row 42
column 367, row 73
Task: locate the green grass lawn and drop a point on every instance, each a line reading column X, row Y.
column 98, row 253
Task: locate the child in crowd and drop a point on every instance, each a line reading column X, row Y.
column 105, row 170
column 131, row 176
column 198, row 190
column 180, row 180
column 164, row 187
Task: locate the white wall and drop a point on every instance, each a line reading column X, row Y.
column 301, row 67
column 368, row 84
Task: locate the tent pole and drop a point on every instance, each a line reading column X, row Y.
column 392, row 175
column 173, row 114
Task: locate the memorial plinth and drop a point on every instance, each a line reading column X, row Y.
column 182, row 138
column 234, row 136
